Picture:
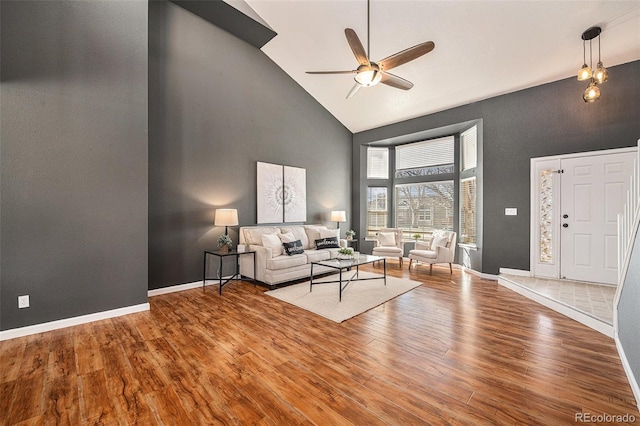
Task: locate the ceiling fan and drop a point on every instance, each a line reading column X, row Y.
column 370, row 73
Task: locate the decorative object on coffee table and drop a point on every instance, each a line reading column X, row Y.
column 345, row 253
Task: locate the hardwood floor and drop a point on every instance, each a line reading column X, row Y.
column 456, row 350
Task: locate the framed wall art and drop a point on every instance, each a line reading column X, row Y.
column 281, row 193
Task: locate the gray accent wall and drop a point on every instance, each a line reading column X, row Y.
column 545, row 120
column 73, row 145
column 629, row 314
column 217, row 106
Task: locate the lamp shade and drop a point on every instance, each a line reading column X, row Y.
column 226, row 217
column 338, row 216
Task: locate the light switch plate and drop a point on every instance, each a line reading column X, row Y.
column 511, row 211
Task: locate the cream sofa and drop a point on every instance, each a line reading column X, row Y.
column 273, row 266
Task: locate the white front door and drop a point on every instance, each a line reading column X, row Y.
column 574, row 206
column 593, row 190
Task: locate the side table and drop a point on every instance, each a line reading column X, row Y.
column 353, row 244
column 221, row 255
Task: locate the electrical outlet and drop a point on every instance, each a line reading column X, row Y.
column 23, row 301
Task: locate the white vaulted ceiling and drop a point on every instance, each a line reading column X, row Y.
column 483, row 49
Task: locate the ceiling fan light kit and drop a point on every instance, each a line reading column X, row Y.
column 600, row 75
column 371, row 73
column 368, row 75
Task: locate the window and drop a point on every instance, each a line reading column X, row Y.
column 468, row 211
column 469, row 144
column 377, row 211
column 424, row 207
column 377, row 163
column 432, row 157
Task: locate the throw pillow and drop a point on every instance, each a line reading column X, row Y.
column 387, row 238
column 439, row 240
column 326, row 243
column 287, row 238
column 273, row 242
column 294, row 247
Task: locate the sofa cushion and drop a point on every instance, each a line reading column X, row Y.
column 317, row 255
column 292, row 248
column 287, row 238
column 284, row 262
column 333, row 253
column 273, row 242
column 387, row 251
column 326, row 243
column 299, row 233
column 254, row 235
column 313, row 231
column 329, row 233
column 428, row 254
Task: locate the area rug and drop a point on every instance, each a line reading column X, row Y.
column 358, row 297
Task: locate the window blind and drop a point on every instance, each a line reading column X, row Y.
column 469, row 142
column 425, row 154
column 468, row 211
column 377, row 163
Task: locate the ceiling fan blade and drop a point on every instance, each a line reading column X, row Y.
column 353, row 90
column 395, row 81
column 406, row 55
column 332, row 72
column 356, row 46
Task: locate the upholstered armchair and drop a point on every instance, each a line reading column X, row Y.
column 389, row 244
column 441, row 249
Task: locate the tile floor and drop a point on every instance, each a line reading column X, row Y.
column 592, row 299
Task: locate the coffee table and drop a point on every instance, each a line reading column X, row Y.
column 346, row 266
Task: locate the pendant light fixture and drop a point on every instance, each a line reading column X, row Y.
column 584, row 73
column 591, row 93
column 600, row 75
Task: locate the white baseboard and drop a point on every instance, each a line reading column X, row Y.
column 518, row 272
column 68, row 322
column 627, row 369
column 182, row 287
column 589, row 321
column 482, row 275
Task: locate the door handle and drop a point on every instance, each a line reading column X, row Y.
column 565, row 225
column 566, row 216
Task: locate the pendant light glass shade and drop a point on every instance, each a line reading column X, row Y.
column 592, row 93
column 601, row 75
column 584, row 73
